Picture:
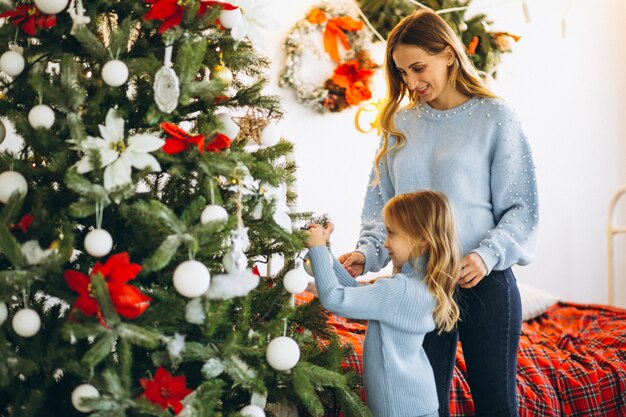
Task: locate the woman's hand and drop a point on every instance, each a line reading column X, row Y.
column 354, row 262
column 473, row 270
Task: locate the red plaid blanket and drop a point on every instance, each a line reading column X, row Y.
column 572, row 362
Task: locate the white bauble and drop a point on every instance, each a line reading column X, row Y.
column 12, row 63
column 191, row 279
column 231, row 129
column 283, row 353
column 11, row 182
column 41, row 116
column 115, row 73
column 252, row 411
column 26, row 322
column 3, row 132
column 221, row 72
column 270, row 136
column 462, row 26
column 213, row 213
column 84, row 391
column 51, row 6
column 4, row 313
column 295, row 281
column 98, row 243
column 231, row 18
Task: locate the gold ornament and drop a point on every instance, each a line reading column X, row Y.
column 251, row 125
column 221, row 72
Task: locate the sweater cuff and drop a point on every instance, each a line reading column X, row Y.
column 489, row 257
column 321, row 261
column 371, row 257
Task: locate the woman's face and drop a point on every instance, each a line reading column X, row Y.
column 425, row 73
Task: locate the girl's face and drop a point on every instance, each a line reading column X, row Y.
column 399, row 246
column 425, row 73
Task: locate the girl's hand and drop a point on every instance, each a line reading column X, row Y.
column 318, row 236
column 473, row 270
column 354, row 262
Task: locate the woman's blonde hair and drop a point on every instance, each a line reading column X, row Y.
column 428, row 31
column 427, row 216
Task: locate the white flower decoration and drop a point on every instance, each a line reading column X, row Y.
column 255, row 18
column 118, row 154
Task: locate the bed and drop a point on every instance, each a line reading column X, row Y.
column 572, row 359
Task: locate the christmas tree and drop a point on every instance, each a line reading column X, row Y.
column 150, row 184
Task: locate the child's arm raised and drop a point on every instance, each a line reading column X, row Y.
column 370, row 302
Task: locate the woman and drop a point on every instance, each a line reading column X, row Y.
column 457, row 137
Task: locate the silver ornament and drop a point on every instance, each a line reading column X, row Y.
column 166, row 84
column 3, row 132
column 166, row 89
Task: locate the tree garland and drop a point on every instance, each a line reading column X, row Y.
column 484, row 47
column 349, row 83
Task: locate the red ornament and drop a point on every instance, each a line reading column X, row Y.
column 219, row 143
column 128, row 301
column 165, row 390
column 25, row 223
column 29, row 18
column 255, row 271
column 179, row 140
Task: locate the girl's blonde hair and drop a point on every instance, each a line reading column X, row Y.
column 428, row 31
column 428, row 215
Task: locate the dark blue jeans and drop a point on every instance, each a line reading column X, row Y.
column 489, row 330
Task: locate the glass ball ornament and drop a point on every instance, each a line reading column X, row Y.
column 4, row 313
column 213, row 213
column 191, row 279
column 283, row 353
column 221, row 72
column 270, row 135
column 11, row 182
column 230, row 129
column 252, row 411
column 12, row 63
column 98, row 243
column 462, row 26
column 41, row 116
column 26, row 322
column 295, row 281
column 231, row 18
column 3, row 131
column 84, row 391
column 51, row 6
column 115, row 73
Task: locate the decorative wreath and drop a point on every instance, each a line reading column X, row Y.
column 324, row 76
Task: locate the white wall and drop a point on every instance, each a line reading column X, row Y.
column 569, row 94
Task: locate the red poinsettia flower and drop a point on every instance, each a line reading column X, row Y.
column 354, row 79
column 179, row 140
column 29, row 18
column 165, row 390
column 219, row 143
column 128, row 301
column 24, row 224
column 171, row 12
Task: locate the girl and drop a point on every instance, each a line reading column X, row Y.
column 421, row 243
column 456, row 137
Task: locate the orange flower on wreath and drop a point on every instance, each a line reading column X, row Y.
column 355, row 80
column 471, row 48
